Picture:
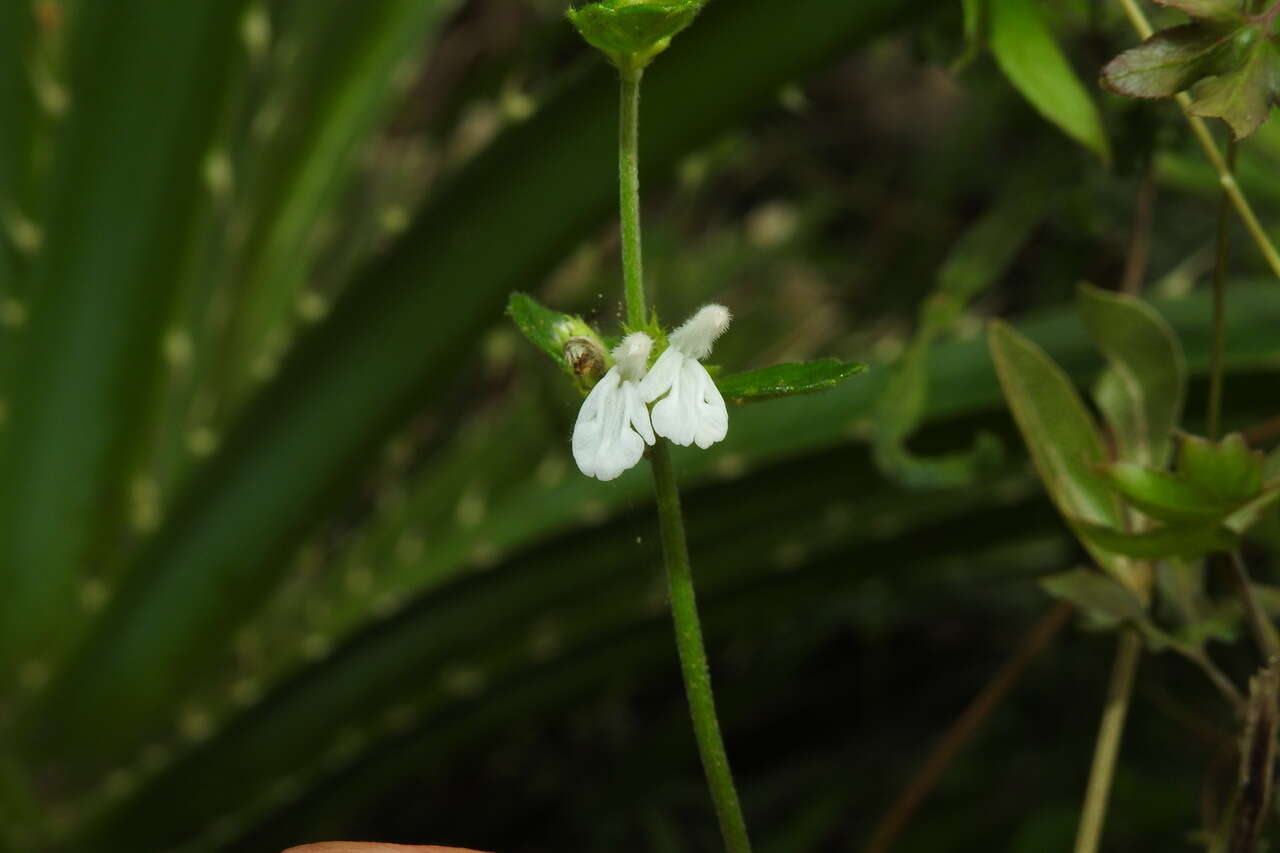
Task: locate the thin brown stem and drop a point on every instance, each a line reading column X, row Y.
column 1136, row 258
column 1107, row 746
column 964, row 728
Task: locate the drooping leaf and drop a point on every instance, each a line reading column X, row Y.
column 1188, row 542
column 1026, row 52
column 1061, row 437
column 785, row 380
column 1148, row 371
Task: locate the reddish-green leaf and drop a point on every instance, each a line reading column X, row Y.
column 1169, row 62
column 1243, row 98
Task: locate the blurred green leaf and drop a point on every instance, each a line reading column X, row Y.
column 786, row 380
column 1147, row 370
column 86, row 368
column 332, row 98
column 403, row 327
column 1060, row 434
column 1026, row 52
column 1187, row 541
column 1226, row 11
column 1164, row 496
column 1101, row 597
column 975, row 262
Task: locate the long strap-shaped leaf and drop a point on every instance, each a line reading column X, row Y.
column 391, row 664
column 145, row 87
column 406, row 326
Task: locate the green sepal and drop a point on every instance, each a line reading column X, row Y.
column 1104, row 601
column 550, row 330
column 785, row 380
column 1165, row 496
column 632, row 32
column 1227, row 470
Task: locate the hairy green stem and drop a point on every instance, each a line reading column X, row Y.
column 693, row 656
column 1201, row 132
column 675, row 549
column 1107, row 746
column 629, row 195
column 1220, row 304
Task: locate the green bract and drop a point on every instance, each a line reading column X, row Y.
column 631, row 33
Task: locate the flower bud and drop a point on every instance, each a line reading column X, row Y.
column 632, row 32
column 585, row 358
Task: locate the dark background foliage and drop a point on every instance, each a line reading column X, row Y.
column 291, row 541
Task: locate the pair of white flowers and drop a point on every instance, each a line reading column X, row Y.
column 615, row 424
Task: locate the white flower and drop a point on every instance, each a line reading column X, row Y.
column 692, row 412
column 613, row 423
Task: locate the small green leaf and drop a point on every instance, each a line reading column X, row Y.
column 1221, row 11
column 1142, row 395
column 785, row 380
column 1227, row 470
column 1188, row 542
column 1026, row 52
column 1060, row 434
column 1099, row 596
column 1243, row 97
column 1166, row 497
column 1169, row 62
column 548, row 330
column 632, row 32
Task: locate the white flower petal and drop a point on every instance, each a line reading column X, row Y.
column 659, row 378
column 713, row 417
column 612, row 428
column 695, row 337
column 638, row 412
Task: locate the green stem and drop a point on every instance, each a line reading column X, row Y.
column 1107, row 746
column 1220, row 304
column 693, row 655
column 675, row 549
column 1201, row 132
column 629, row 195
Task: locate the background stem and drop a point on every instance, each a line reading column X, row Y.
column 693, row 655
column 1107, row 746
column 1220, row 304
column 629, row 195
